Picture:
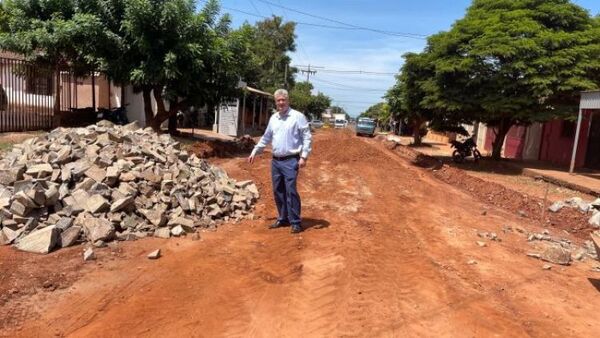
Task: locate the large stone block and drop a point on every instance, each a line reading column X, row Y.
column 70, row 236
column 98, row 229
column 40, row 241
column 96, row 204
column 96, row 173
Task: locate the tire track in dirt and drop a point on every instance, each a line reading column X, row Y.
column 384, row 254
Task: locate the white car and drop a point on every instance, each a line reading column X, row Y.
column 340, row 124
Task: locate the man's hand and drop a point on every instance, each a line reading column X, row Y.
column 251, row 159
column 301, row 163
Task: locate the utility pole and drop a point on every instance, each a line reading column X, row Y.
column 285, row 84
column 308, row 72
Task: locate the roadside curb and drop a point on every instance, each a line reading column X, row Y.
column 531, row 173
column 573, row 186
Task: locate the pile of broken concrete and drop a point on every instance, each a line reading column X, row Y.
column 578, row 203
column 106, row 182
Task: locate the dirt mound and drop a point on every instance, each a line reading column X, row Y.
column 342, row 148
column 495, row 194
column 218, row 148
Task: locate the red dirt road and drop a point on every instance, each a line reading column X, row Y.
column 385, row 253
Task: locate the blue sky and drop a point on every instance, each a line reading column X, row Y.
column 343, row 49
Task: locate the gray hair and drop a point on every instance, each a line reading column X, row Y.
column 281, row 92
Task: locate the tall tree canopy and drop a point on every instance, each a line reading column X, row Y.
column 406, row 97
column 165, row 49
column 302, row 99
column 272, row 39
column 52, row 33
column 513, row 62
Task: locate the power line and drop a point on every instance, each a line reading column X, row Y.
column 351, row 72
column 349, row 87
column 357, row 102
column 256, row 9
column 351, row 90
column 298, row 42
column 296, row 22
column 406, row 35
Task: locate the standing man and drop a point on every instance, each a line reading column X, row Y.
column 289, row 133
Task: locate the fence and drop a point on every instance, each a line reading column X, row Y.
column 28, row 95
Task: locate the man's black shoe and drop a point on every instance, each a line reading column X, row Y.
column 296, row 229
column 278, row 224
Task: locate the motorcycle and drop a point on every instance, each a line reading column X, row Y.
column 115, row 115
column 464, row 150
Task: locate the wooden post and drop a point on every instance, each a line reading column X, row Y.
column 576, row 143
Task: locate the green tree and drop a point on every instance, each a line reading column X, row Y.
column 510, row 62
column 302, row 99
column 272, row 40
column 52, row 34
column 407, row 97
column 169, row 52
column 380, row 112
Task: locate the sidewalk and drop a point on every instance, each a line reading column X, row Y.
column 205, row 134
column 584, row 180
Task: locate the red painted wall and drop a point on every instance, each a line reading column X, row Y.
column 514, row 144
column 557, row 148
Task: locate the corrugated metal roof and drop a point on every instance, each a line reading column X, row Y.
column 256, row 91
column 590, row 100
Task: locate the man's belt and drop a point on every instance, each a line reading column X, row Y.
column 283, row 158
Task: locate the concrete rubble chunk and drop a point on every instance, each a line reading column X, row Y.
column 96, row 173
column 10, row 176
column 178, row 231
column 556, row 254
column 595, row 220
column 18, row 208
column 40, row 170
column 98, row 229
column 154, row 254
column 253, row 189
column 62, row 156
column 24, row 199
column 51, row 195
column 70, row 236
column 10, row 234
column 40, row 241
column 64, row 223
column 121, row 204
column 186, row 222
column 163, row 232
column 37, row 195
column 96, row 204
column 89, row 255
column 556, row 206
column 3, row 239
column 156, row 217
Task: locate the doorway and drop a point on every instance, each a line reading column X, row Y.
column 592, row 158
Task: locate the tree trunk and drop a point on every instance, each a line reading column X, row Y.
column 57, row 114
column 417, row 132
column 146, row 92
column 173, row 124
column 161, row 113
column 503, row 128
column 57, row 94
column 211, row 113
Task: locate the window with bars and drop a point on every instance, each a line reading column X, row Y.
column 39, row 84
